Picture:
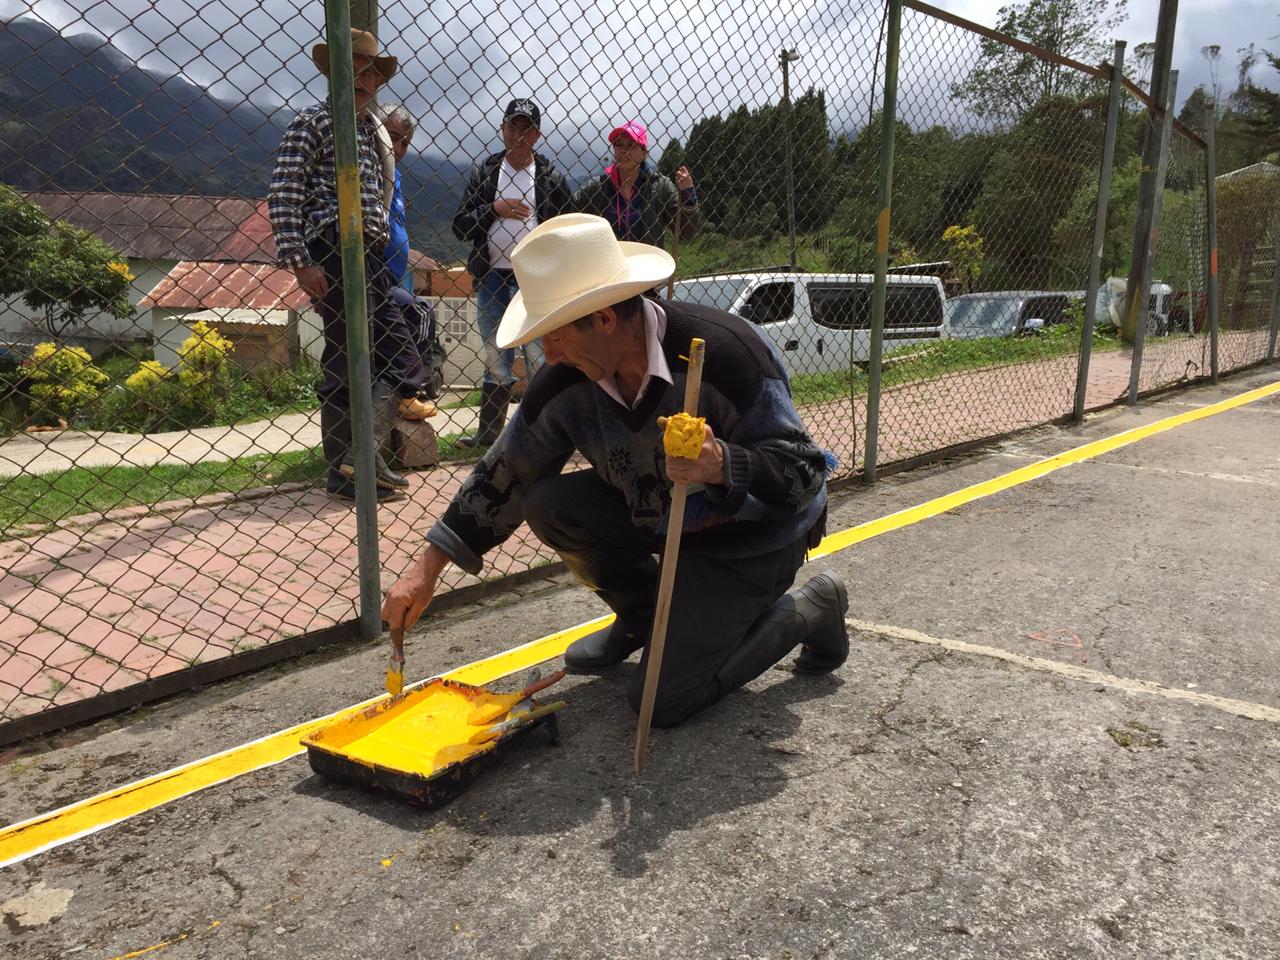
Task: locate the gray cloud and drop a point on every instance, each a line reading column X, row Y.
column 589, row 65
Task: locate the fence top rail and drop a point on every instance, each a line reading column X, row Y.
column 1101, row 71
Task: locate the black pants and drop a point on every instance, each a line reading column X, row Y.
column 393, row 352
column 713, row 604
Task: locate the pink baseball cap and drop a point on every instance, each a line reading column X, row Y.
column 633, row 129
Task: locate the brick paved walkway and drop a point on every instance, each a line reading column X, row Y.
column 106, row 602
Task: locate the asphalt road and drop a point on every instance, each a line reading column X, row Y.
column 934, row 798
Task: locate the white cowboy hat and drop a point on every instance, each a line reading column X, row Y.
column 570, row 267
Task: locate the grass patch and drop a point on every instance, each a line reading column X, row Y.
column 472, row 399
column 47, row 498
column 930, row 359
column 450, row 452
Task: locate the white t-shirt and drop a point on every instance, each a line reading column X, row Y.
column 506, row 232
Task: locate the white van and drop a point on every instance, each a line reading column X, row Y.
column 822, row 321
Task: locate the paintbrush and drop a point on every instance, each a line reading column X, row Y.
column 506, row 726
column 492, row 706
column 395, row 666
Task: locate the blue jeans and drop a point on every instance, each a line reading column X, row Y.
column 492, row 296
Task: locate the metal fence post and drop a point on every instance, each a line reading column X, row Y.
column 1275, row 292
column 1149, row 262
column 888, row 120
column 359, row 379
column 1099, row 229
column 1211, row 217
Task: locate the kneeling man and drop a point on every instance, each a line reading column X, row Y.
column 614, row 367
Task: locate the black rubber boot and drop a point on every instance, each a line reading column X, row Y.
column 604, row 648
column 335, row 442
column 385, row 402
column 494, row 399
column 812, row 615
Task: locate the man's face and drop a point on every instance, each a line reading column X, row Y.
column 519, row 133
column 367, row 81
column 587, row 345
column 400, row 136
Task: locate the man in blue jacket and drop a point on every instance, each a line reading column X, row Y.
column 615, row 370
column 507, row 196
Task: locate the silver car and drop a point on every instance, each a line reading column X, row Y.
column 1003, row 313
column 821, row 322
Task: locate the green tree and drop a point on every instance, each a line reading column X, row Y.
column 1029, row 188
column 1007, row 82
column 57, row 268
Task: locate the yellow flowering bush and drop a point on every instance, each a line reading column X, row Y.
column 121, row 269
column 149, row 375
column 203, row 366
column 63, row 380
column 964, row 249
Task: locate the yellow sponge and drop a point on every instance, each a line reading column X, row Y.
column 683, row 436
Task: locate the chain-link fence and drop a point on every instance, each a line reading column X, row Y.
column 176, row 500
column 1177, row 339
column 1248, row 220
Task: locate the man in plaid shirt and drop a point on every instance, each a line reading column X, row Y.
column 303, row 204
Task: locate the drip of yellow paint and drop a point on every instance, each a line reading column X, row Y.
column 683, row 436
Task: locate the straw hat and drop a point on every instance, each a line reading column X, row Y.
column 363, row 44
column 570, row 267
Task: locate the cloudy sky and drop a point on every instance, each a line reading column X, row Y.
column 592, row 64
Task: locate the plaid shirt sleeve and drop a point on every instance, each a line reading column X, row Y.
column 287, row 193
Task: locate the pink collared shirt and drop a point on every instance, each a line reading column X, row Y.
column 655, row 327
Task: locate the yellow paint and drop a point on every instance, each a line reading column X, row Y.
column 348, row 184
column 1033, row 471
column 162, row 945
column 882, row 233
column 395, row 682
column 683, row 435
column 46, row 831
column 423, row 733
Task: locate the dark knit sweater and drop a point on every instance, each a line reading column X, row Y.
column 774, row 490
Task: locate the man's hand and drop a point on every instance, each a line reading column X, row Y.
column 708, row 468
column 512, row 209
column 412, row 593
column 684, row 179
column 312, row 281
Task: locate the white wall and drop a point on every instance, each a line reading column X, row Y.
column 20, row 323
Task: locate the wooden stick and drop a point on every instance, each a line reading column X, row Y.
column 675, row 527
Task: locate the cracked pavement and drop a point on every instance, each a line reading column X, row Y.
column 921, row 801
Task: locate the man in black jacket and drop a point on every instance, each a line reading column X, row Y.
column 509, row 194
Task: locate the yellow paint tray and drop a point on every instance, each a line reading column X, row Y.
column 415, row 745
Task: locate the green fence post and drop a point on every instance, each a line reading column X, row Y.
column 1211, row 217
column 1153, row 237
column 359, row 379
column 888, row 120
column 1099, row 229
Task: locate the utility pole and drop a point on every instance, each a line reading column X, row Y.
column 785, row 59
column 1136, row 294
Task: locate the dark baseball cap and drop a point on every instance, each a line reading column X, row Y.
column 523, row 107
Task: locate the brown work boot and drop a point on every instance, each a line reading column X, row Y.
column 411, row 408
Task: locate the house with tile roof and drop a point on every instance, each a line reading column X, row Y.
column 154, row 232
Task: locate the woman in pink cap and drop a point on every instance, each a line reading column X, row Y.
column 638, row 202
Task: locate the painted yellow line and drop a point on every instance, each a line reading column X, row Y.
column 1033, row 471
column 53, row 829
